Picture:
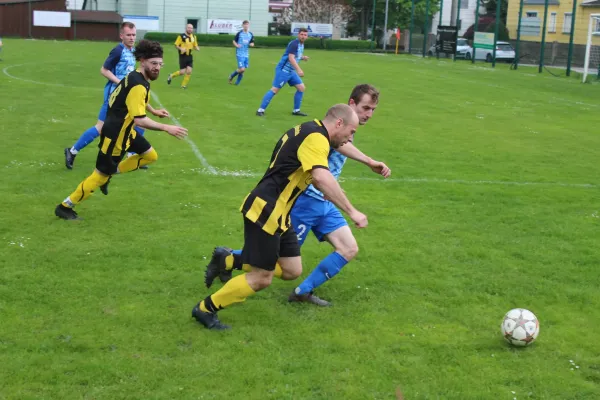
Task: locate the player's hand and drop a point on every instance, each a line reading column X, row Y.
column 161, row 113
column 305, row 58
column 178, row 131
column 300, row 73
column 359, row 219
column 380, row 168
column 251, row 44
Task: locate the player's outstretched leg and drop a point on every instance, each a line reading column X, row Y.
column 86, row 138
column 84, row 190
column 298, row 100
column 218, row 266
column 266, row 100
column 233, row 75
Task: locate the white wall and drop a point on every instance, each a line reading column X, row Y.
column 467, row 15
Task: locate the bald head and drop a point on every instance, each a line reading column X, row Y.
column 341, row 122
column 189, row 29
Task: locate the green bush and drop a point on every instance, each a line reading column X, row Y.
column 265, row 41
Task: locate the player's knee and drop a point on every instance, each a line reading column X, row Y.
column 348, row 251
column 274, row 90
column 301, row 88
column 150, row 156
column 99, row 126
column 242, row 70
column 259, row 280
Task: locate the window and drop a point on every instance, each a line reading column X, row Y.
column 464, row 4
column 194, row 22
column 597, row 26
column 531, row 14
column 552, row 23
column 567, row 23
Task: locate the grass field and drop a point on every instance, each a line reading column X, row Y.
column 493, row 204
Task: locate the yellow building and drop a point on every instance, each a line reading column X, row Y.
column 558, row 25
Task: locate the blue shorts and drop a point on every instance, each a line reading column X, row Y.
column 320, row 217
column 282, row 77
column 103, row 111
column 242, row 62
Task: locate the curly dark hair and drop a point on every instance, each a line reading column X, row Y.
column 148, row 49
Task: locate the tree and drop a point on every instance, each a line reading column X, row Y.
column 490, row 8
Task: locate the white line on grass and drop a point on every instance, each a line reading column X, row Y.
column 210, row 170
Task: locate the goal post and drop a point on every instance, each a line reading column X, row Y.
column 592, row 48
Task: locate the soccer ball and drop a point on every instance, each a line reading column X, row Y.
column 520, row 327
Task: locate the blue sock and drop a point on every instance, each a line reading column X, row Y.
column 139, row 130
column 298, row 100
column 233, row 74
column 86, row 138
column 267, row 99
column 239, row 79
column 327, row 269
column 236, row 252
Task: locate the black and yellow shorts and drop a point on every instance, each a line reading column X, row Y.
column 185, row 61
column 107, row 163
column 262, row 250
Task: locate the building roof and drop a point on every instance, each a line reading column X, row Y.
column 591, row 3
column 106, row 17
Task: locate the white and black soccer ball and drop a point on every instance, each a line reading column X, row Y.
column 520, row 327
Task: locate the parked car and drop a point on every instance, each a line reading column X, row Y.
column 462, row 46
column 504, row 52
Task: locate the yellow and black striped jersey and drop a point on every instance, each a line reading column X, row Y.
column 299, row 151
column 127, row 102
column 188, row 42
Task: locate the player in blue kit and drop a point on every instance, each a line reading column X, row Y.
column 242, row 41
column 119, row 63
column 313, row 212
column 288, row 71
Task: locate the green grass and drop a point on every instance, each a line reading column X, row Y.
column 493, row 204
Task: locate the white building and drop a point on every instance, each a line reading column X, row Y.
column 173, row 15
column 467, row 15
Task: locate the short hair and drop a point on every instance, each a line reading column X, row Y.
column 302, row 30
column 147, row 49
column 360, row 90
column 340, row 111
column 127, row 24
column 245, row 22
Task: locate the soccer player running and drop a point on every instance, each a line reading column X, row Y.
column 313, row 212
column 185, row 43
column 242, row 41
column 270, row 244
column 126, row 107
column 120, row 62
column 288, row 71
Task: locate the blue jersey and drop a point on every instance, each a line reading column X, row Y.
column 120, row 62
column 336, row 163
column 243, row 38
column 294, row 47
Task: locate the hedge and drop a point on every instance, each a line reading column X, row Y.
column 266, row 41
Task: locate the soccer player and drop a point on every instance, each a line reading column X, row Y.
column 313, row 212
column 185, row 43
column 288, row 71
column 270, row 243
column 242, row 41
column 118, row 64
column 126, row 107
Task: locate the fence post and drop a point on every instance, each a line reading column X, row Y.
column 498, row 4
column 412, row 26
column 458, row 24
column 373, row 25
column 518, row 34
column 544, row 36
column 385, row 26
column 30, row 18
column 475, row 27
column 426, row 28
column 570, row 56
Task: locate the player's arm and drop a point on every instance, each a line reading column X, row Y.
column 196, row 47
column 161, row 113
column 110, row 63
column 292, row 50
column 235, row 40
column 312, row 154
column 178, row 43
column 251, row 41
column 136, row 106
column 352, row 152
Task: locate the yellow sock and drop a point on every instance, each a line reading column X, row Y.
column 278, row 270
column 229, row 262
column 186, row 79
column 234, row 291
column 174, row 74
column 85, row 189
column 135, row 161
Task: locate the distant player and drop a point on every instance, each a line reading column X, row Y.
column 242, row 41
column 270, row 243
column 126, row 107
column 288, row 71
column 312, row 212
column 185, row 43
column 118, row 64
column 0, row 48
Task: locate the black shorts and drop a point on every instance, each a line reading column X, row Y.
column 185, row 61
column 262, row 250
column 107, row 163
